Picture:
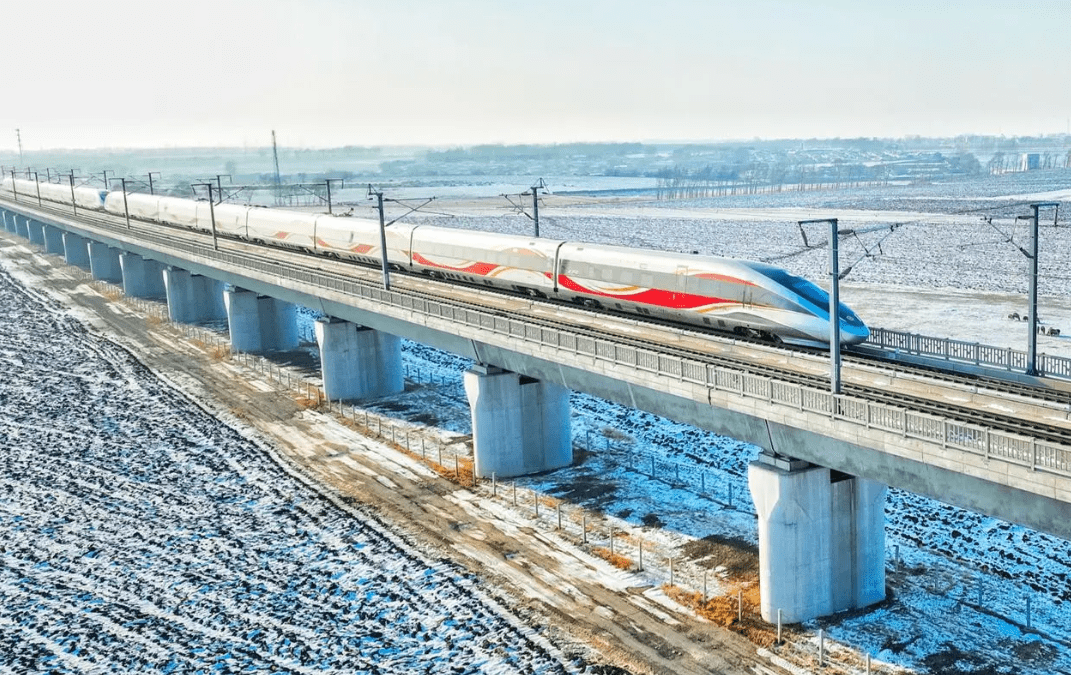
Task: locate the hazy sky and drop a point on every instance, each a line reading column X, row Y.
column 448, row 72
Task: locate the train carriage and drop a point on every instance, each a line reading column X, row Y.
column 358, row 239
column 721, row 293
column 142, row 206
column 292, row 229
column 513, row 262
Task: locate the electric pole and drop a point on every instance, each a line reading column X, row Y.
column 1032, row 255
column 74, row 206
column 126, row 207
column 18, row 137
column 535, row 203
column 278, row 178
column 327, row 181
column 834, row 303
column 211, row 210
column 378, row 194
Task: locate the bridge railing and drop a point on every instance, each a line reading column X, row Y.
column 1011, row 448
column 1004, row 358
column 976, row 440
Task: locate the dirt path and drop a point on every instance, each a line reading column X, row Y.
column 575, row 598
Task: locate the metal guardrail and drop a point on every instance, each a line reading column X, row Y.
column 973, row 439
column 967, row 352
column 980, row 441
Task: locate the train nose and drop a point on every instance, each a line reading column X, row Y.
column 853, row 331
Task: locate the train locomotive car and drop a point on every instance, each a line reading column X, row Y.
column 744, row 297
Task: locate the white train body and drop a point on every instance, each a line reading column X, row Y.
column 511, row 262
column 84, row 197
column 719, row 293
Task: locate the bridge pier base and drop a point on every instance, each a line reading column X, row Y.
column 53, row 240
column 22, row 226
column 104, row 262
column 9, row 221
column 519, row 425
column 821, row 539
column 75, row 250
column 358, row 362
column 142, row 278
column 192, row 298
column 37, row 232
column 259, row 323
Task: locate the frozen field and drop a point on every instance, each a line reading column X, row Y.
column 139, row 534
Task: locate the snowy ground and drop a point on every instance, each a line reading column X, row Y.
column 139, row 534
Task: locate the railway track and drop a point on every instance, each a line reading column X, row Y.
column 502, row 304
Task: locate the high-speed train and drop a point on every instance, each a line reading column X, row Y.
column 725, row 294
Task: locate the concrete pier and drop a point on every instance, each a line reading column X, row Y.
column 258, row 323
column 37, row 232
column 104, row 262
column 142, row 278
column 53, row 240
column 76, row 250
column 192, row 298
column 22, row 226
column 358, row 362
column 519, row 425
column 9, row 221
column 821, row 539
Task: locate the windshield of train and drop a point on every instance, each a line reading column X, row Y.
column 808, row 291
column 799, row 285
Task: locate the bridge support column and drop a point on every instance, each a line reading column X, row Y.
column 75, row 250
column 9, row 221
column 37, row 232
column 519, row 425
column 22, row 226
column 53, row 240
column 259, row 323
column 358, row 362
column 821, row 539
column 142, row 278
column 192, row 298
column 104, row 262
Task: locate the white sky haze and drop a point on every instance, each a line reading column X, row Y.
column 342, row 72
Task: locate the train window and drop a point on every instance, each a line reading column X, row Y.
column 798, row 284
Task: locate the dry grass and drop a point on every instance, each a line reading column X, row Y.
column 722, row 611
column 615, row 434
column 309, row 402
column 617, row 560
column 113, row 294
column 220, row 353
column 549, row 502
column 153, row 320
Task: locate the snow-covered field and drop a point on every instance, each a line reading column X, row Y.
column 140, row 534
column 937, row 555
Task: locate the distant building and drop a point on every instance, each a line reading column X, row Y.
column 1030, row 161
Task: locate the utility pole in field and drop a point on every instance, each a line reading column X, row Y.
column 278, row 178
column 534, row 192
